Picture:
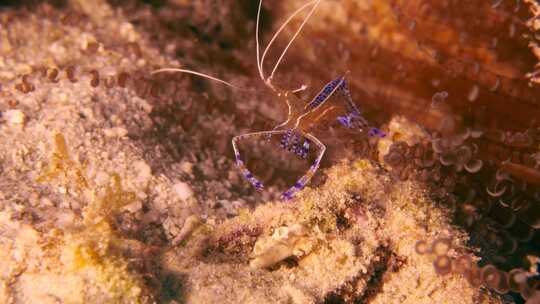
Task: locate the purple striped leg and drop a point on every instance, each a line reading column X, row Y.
column 327, row 91
column 240, row 163
column 353, row 119
column 301, row 183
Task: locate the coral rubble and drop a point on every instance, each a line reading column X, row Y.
column 352, row 240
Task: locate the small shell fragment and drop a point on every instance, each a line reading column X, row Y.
column 14, row 117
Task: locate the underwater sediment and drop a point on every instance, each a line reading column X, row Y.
column 119, row 186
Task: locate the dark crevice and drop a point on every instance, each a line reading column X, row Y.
column 31, row 3
column 387, row 261
column 374, row 286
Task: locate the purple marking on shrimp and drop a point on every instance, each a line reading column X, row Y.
column 291, row 142
column 299, row 185
column 254, row 181
column 328, row 89
column 287, row 195
column 376, row 132
column 303, row 150
column 294, row 142
column 353, row 120
column 345, row 121
column 285, row 140
column 258, row 185
column 343, row 90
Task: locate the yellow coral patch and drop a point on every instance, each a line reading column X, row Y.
column 61, row 166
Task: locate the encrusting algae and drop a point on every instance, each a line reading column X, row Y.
column 85, row 262
column 62, row 167
column 93, row 251
column 353, row 239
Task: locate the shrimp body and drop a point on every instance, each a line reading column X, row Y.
column 333, row 101
column 295, row 131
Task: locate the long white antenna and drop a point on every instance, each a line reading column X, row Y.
column 198, row 74
column 292, row 39
column 279, row 31
column 257, row 40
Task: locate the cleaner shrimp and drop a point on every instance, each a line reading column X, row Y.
column 301, row 117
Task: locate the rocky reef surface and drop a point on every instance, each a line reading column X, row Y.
column 119, row 186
